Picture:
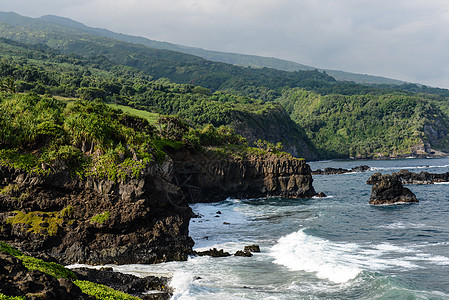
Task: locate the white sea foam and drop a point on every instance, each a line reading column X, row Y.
column 301, row 252
column 342, row 262
column 407, row 167
column 181, row 283
column 403, row 225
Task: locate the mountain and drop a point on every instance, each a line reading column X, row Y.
column 311, row 113
column 178, row 67
column 230, row 58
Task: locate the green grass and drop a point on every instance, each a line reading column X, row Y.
column 31, row 263
column 149, row 116
column 102, row 292
column 50, row 268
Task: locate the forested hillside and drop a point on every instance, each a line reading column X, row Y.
column 311, row 113
column 393, row 124
column 39, row 69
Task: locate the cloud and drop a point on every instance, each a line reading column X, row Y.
column 403, row 39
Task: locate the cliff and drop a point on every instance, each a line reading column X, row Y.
column 95, row 221
column 205, row 177
column 72, row 220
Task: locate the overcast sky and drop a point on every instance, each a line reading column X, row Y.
column 401, row 39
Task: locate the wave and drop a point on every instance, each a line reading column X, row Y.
column 407, row 167
column 181, row 283
column 403, row 225
column 301, row 252
column 343, row 262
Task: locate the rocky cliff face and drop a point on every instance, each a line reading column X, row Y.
column 95, row 221
column 71, row 220
column 207, row 178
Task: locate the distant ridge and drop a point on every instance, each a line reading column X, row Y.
column 230, row 58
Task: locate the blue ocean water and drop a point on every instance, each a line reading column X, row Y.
column 338, row 247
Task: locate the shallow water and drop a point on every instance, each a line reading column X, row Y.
column 339, row 247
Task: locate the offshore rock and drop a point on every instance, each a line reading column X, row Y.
column 213, row 253
column 243, row 253
column 408, row 177
column 252, row 248
column 334, row 171
column 204, row 177
column 388, row 189
column 70, row 220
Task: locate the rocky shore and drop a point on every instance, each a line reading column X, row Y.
column 408, row 177
column 69, row 220
column 63, row 218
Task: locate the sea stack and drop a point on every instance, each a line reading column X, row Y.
column 388, row 189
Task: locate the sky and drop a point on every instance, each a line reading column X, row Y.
column 400, row 39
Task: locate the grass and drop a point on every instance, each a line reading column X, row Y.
column 31, row 263
column 102, row 292
column 149, row 116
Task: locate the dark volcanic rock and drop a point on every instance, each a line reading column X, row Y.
column 252, row 248
column 213, row 252
column 144, row 220
column 333, row 171
column 243, row 253
column 388, row 189
column 208, row 178
column 408, row 177
column 126, row 283
column 321, row 195
column 16, row 280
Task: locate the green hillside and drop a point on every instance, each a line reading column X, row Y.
column 312, row 114
column 40, row 69
column 369, row 126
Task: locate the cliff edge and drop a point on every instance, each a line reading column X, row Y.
column 205, row 177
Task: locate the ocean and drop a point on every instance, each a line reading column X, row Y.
column 338, row 247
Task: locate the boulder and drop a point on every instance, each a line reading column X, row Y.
column 252, row 248
column 388, row 189
column 243, row 253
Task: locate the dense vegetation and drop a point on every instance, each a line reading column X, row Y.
column 43, row 135
column 368, row 125
column 46, row 71
column 341, row 119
